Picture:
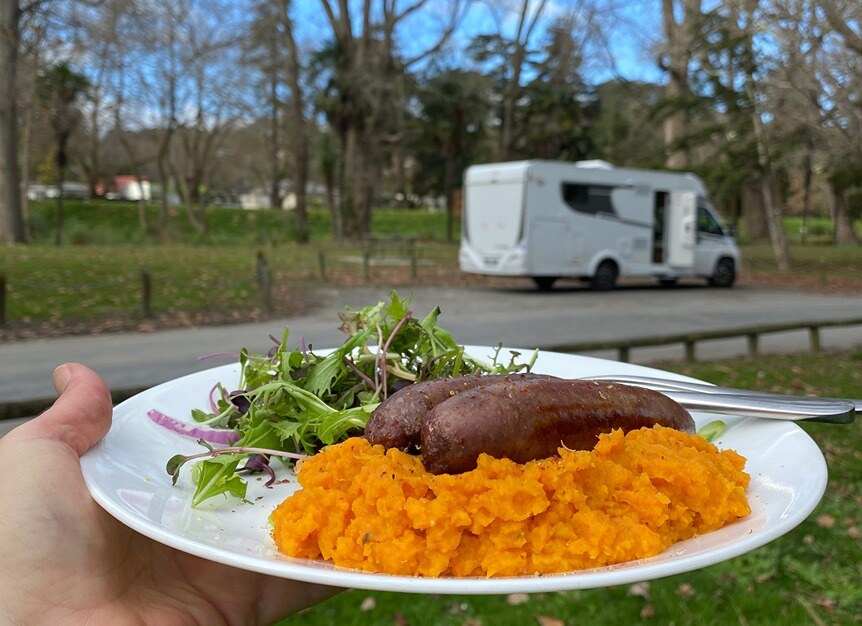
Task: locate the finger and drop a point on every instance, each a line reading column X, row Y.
column 82, row 414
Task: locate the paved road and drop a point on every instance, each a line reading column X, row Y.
column 515, row 317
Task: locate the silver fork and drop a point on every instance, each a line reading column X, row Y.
column 743, row 402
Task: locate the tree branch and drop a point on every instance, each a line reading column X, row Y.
column 455, row 19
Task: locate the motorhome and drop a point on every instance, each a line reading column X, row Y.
column 590, row 220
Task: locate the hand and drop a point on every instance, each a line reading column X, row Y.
column 63, row 559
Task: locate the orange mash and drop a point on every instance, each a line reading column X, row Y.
column 630, row 497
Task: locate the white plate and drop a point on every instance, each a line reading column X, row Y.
column 125, row 473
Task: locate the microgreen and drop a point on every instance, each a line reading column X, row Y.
column 295, row 401
column 712, row 430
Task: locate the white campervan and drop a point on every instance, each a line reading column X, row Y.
column 594, row 221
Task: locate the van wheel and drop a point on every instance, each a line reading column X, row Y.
column 724, row 274
column 605, row 277
column 545, row 283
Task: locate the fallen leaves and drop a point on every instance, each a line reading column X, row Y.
column 639, row 590
column 548, row 620
column 685, row 590
column 515, row 599
column 647, row 611
column 825, row 521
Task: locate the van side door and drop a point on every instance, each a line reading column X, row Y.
column 681, row 229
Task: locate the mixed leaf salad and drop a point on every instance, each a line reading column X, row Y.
column 292, row 402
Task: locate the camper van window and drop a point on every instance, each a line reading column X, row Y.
column 592, row 199
column 706, row 221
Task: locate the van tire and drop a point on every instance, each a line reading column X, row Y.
column 724, row 275
column 545, row 283
column 605, row 278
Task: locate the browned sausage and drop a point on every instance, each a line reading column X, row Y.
column 532, row 419
column 395, row 423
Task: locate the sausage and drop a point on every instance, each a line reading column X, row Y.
column 532, row 419
column 395, row 423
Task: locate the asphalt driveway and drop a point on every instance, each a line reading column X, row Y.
column 517, row 317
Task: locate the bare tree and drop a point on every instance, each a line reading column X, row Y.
column 680, row 19
column 747, row 13
column 526, row 25
column 298, row 122
column 11, row 217
column 59, row 88
column 363, row 88
column 265, row 56
column 821, row 73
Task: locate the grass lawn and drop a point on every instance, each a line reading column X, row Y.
column 96, row 275
column 809, row 576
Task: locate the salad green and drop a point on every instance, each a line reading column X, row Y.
column 292, row 402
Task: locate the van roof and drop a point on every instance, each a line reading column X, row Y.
column 517, row 171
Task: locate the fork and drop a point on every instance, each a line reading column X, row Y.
column 743, row 402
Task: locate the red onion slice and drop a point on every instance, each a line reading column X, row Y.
column 224, row 436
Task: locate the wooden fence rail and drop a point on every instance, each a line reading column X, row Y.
column 689, row 340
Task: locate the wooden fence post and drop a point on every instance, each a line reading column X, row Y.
column 413, row 261
column 366, row 265
column 321, row 259
column 264, row 281
column 689, row 351
column 146, row 294
column 814, row 336
column 2, row 299
column 752, row 344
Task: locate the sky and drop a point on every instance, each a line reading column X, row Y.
column 634, row 28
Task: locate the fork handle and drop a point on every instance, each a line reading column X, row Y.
column 705, row 397
column 799, row 409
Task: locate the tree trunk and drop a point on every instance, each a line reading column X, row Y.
column 299, row 124
column 753, row 215
column 275, row 165
column 26, row 148
column 92, row 170
column 844, row 235
column 807, row 168
column 678, row 36
column 449, row 190
column 11, row 217
column 162, row 170
column 193, row 203
column 771, row 208
column 352, row 171
column 360, row 170
column 58, row 209
column 507, row 132
column 676, row 124
column 142, row 204
column 774, row 221
column 300, row 187
column 328, row 165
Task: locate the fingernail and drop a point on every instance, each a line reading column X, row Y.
column 62, row 376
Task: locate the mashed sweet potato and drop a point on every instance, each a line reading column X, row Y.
column 631, row 497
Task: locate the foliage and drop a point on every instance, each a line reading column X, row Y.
column 450, row 130
column 625, row 130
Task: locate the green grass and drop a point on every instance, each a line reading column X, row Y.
column 809, row 576
column 817, row 260
column 99, row 222
column 96, row 273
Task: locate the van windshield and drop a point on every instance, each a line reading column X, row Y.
column 707, row 222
